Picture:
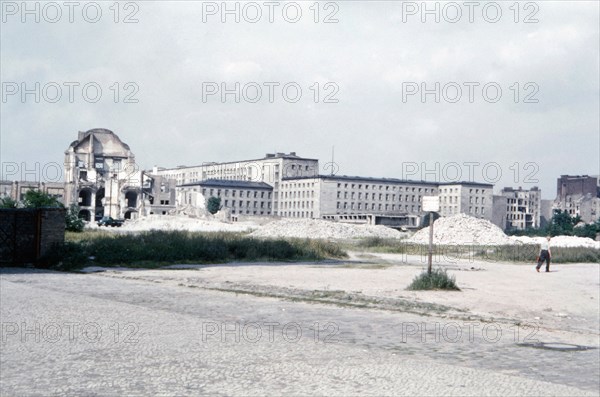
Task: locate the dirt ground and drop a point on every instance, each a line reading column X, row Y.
column 564, row 301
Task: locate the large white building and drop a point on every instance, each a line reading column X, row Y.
column 471, row 198
column 355, row 199
column 299, row 191
column 270, row 169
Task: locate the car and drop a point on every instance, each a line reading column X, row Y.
column 109, row 221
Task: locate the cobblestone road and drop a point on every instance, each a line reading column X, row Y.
column 89, row 334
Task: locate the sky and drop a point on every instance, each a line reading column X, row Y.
column 498, row 92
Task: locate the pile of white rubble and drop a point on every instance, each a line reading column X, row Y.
column 183, row 223
column 459, row 229
column 314, row 228
column 559, row 241
column 462, row 229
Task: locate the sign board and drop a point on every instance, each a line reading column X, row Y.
column 431, row 203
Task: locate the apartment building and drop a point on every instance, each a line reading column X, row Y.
column 523, row 208
column 240, row 197
column 471, row 198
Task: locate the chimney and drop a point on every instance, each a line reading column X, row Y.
column 292, row 153
column 80, row 135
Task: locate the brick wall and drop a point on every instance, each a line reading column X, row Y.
column 27, row 234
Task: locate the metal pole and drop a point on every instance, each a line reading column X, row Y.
column 429, row 259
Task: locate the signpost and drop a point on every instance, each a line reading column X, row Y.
column 431, row 204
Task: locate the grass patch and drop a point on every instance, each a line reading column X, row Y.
column 164, row 247
column 368, row 266
column 437, row 280
column 526, row 253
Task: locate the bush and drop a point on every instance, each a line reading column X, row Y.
column 73, row 222
column 213, row 205
column 7, row 202
column 39, row 199
column 438, row 279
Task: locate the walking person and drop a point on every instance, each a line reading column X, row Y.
column 545, row 255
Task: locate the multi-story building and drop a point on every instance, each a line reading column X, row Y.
column 240, row 197
column 523, row 208
column 579, row 195
column 471, row 198
column 102, row 177
column 355, row 199
column 17, row 189
column 270, row 169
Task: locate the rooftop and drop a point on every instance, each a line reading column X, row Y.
column 230, row 184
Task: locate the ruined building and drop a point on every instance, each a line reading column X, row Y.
column 101, row 176
column 579, row 195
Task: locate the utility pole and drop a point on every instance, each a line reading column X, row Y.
column 431, row 204
column 430, row 255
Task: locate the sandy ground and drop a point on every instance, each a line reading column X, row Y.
column 564, row 301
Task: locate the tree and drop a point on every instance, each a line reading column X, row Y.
column 7, row 202
column 72, row 220
column 38, row 199
column 213, row 205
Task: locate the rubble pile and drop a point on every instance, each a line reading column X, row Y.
column 462, row 229
column 321, row 229
column 184, row 223
column 559, row 241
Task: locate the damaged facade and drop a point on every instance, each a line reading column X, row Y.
column 102, row 177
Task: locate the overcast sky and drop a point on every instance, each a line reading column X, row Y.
column 374, row 57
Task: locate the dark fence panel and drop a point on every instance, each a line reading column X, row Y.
column 26, row 234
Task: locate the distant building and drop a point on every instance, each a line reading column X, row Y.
column 355, row 199
column 239, row 197
column 103, row 179
column 546, row 212
column 270, row 169
column 101, row 176
column 579, row 195
column 17, row 189
column 523, row 208
column 471, row 198
column 499, row 206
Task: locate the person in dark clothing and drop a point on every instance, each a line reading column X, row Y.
column 545, row 255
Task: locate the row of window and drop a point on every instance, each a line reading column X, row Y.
column 302, row 194
column 377, row 207
column 225, row 192
column 255, row 204
column 297, row 204
column 379, row 196
column 297, row 214
column 248, row 212
column 387, row 187
column 298, row 185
